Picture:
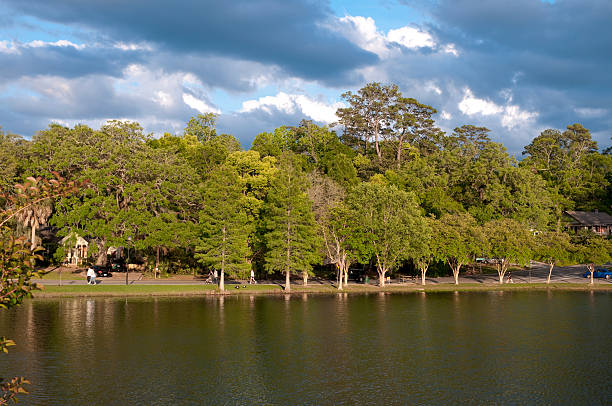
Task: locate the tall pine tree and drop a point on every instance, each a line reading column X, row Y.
column 290, row 232
column 225, row 227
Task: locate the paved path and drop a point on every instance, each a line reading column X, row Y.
column 536, row 274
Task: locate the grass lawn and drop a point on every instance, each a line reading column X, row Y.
column 194, row 290
column 65, row 276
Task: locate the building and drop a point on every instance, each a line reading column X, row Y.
column 598, row 222
column 76, row 249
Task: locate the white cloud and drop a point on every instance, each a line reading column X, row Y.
column 514, row 116
column 511, row 115
column 432, row 87
column 590, row 112
column 362, row 32
column 8, row 47
column 60, row 43
column 411, row 37
column 450, row 49
column 471, row 105
column 130, row 46
column 445, row 115
column 199, row 105
column 293, row 103
column 163, row 98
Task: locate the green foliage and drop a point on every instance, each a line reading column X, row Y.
column 275, row 143
column 225, row 227
column 386, row 223
column 508, row 241
column 202, row 127
column 554, row 248
column 457, row 239
column 290, row 232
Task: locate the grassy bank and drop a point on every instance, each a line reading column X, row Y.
column 197, row 290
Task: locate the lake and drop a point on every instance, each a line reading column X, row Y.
column 546, row 347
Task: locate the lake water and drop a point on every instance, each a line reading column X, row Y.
column 417, row 348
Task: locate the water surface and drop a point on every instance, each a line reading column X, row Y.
column 417, row 348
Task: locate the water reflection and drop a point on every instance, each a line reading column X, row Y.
column 422, row 348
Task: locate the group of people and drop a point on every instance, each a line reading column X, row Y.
column 213, row 275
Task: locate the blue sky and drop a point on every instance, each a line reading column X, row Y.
column 515, row 67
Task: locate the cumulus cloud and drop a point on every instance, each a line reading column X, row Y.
column 199, row 105
column 291, row 35
column 294, row 103
column 363, row 32
column 511, row 115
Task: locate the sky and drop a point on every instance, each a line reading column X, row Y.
column 517, row 67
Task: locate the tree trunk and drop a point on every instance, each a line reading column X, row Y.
column 550, row 272
column 222, row 276
column 378, row 151
column 399, row 151
column 456, row 268
column 305, row 277
column 33, row 237
column 340, row 274
column 381, row 278
column 346, row 272
column 423, row 272
column 287, row 281
column 101, row 260
column 156, row 263
column 501, row 271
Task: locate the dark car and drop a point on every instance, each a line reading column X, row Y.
column 599, row 273
column 102, row 271
column 118, row 265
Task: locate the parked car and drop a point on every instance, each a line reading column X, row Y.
column 102, row 271
column 599, row 273
column 118, row 265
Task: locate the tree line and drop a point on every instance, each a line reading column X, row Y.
column 388, row 191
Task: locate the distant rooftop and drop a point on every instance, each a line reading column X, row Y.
column 591, row 217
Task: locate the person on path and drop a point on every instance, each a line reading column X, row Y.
column 91, row 276
column 216, row 276
column 252, row 280
column 510, row 278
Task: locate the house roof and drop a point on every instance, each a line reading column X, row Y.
column 78, row 240
column 594, row 218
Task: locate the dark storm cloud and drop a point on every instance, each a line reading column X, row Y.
column 287, row 33
column 64, row 61
column 553, row 58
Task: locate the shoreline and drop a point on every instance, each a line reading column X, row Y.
column 276, row 290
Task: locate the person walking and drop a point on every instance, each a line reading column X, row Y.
column 252, row 280
column 91, row 276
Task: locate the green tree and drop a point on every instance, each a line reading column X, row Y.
column 508, row 241
column 553, row 248
column 387, row 224
column 223, row 219
column 202, row 127
column 333, row 223
column 424, row 251
column 457, row 237
column 274, row 143
column 595, row 250
column 368, row 118
column 290, row 231
column 13, row 151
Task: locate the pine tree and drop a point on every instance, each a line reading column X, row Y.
column 290, row 231
column 224, row 225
